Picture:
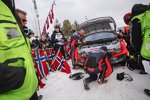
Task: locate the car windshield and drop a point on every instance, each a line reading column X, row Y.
column 99, row 36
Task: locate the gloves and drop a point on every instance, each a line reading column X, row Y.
column 11, row 77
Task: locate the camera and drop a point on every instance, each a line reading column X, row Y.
column 35, row 42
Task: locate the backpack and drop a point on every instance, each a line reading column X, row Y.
column 142, row 13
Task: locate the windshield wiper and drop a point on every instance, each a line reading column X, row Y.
column 105, row 39
column 100, row 40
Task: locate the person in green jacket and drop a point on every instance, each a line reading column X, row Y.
column 140, row 36
column 22, row 16
column 18, row 80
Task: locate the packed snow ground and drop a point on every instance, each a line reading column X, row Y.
column 60, row 87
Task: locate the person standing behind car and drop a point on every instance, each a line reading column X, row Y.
column 76, row 40
column 140, row 33
column 57, row 39
column 136, row 38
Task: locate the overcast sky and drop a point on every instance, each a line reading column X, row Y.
column 77, row 10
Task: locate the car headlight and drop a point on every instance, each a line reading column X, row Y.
column 117, row 50
column 79, row 53
column 82, row 53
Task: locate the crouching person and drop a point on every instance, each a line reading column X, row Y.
column 98, row 66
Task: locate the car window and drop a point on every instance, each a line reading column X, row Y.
column 112, row 26
column 98, row 36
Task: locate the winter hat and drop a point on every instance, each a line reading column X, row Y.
column 30, row 32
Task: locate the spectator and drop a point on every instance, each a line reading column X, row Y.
column 45, row 42
column 22, row 15
column 30, row 34
column 57, row 39
column 15, row 67
column 23, row 21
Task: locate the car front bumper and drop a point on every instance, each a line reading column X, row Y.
column 119, row 59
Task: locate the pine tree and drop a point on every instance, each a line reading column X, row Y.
column 57, row 22
column 76, row 25
column 67, row 27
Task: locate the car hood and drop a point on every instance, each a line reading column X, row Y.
column 99, row 24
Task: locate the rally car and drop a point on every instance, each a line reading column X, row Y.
column 101, row 32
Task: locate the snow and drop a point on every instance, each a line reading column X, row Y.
column 60, row 87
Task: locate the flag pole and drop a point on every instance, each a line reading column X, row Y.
column 37, row 16
column 39, row 26
column 50, row 18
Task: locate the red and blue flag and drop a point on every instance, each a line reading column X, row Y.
column 60, row 64
column 40, row 61
column 50, row 54
column 68, row 49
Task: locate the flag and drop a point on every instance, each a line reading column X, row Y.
column 68, row 50
column 47, row 23
column 50, row 54
column 52, row 9
column 52, row 14
column 60, row 64
column 44, row 29
column 40, row 63
column 50, row 17
column 54, row 3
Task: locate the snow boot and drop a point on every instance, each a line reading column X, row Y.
column 40, row 97
column 86, row 84
column 147, row 92
column 142, row 72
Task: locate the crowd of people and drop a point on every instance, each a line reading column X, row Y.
column 17, row 70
